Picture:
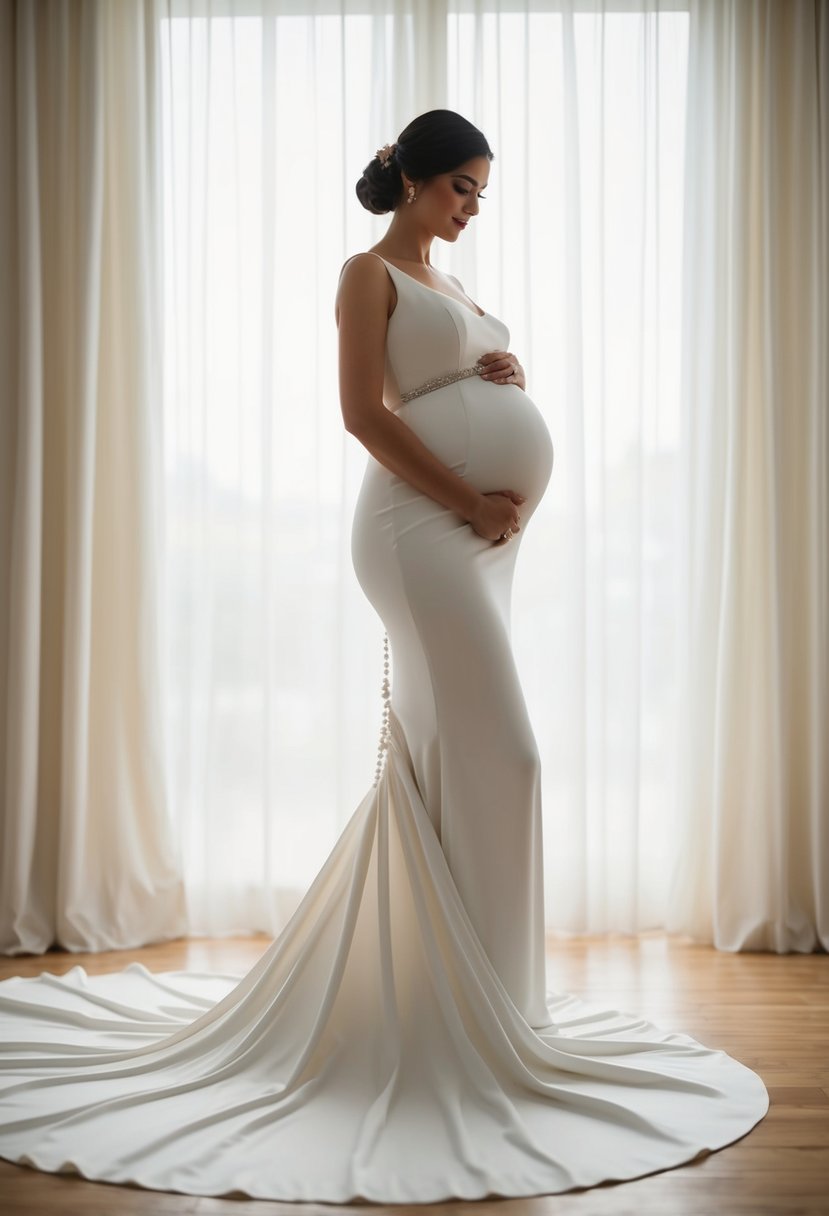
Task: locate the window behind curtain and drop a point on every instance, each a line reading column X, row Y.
column 274, row 656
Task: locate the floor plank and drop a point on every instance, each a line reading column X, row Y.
column 769, row 1011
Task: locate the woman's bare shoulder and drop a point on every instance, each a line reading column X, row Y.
column 363, row 264
column 364, row 281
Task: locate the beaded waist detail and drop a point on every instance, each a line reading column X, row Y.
column 441, row 381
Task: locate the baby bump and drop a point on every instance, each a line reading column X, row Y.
column 509, row 443
column 493, row 435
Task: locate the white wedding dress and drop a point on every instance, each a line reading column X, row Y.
column 396, row 1042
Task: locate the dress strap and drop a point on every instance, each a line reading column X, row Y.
column 385, row 733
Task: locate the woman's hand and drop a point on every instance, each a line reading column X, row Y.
column 502, row 367
column 496, row 517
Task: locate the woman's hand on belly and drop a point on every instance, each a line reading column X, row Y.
column 502, row 367
column 497, row 513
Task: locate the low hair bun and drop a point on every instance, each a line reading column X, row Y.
column 434, row 143
column 379, row 188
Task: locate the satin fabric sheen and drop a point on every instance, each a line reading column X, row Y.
column 396, row 1042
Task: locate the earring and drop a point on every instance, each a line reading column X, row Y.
column 411, row 197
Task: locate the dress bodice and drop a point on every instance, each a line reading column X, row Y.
column 430, row 334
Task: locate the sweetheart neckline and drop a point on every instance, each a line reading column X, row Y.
column 426, row 287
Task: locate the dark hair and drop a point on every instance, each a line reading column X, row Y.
column 435, row 142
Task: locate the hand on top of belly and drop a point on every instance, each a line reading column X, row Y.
column 496, row 517
column 502, row 367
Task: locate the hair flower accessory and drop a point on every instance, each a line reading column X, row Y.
column 385, row 154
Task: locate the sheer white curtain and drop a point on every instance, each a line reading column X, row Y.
column 753, row 857
column 88, row 857
column 274, row 656
column 580, row 250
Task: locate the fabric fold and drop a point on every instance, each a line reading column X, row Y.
column 371, row 1053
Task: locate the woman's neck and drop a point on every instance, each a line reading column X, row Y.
column 407, row 240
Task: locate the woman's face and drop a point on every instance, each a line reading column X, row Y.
column 448, row 202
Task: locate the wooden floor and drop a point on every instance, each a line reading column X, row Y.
column 769, row 1011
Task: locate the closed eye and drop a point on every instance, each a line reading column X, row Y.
column 460, row 191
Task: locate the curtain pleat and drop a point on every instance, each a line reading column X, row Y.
column 752, row 870
column 89, row 858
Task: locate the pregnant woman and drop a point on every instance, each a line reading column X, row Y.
column 396, row 1042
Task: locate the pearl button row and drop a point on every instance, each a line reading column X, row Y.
column 385, row 732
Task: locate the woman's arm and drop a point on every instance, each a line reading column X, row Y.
column 365, row 298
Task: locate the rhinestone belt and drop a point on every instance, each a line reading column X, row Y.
column 440, row 381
